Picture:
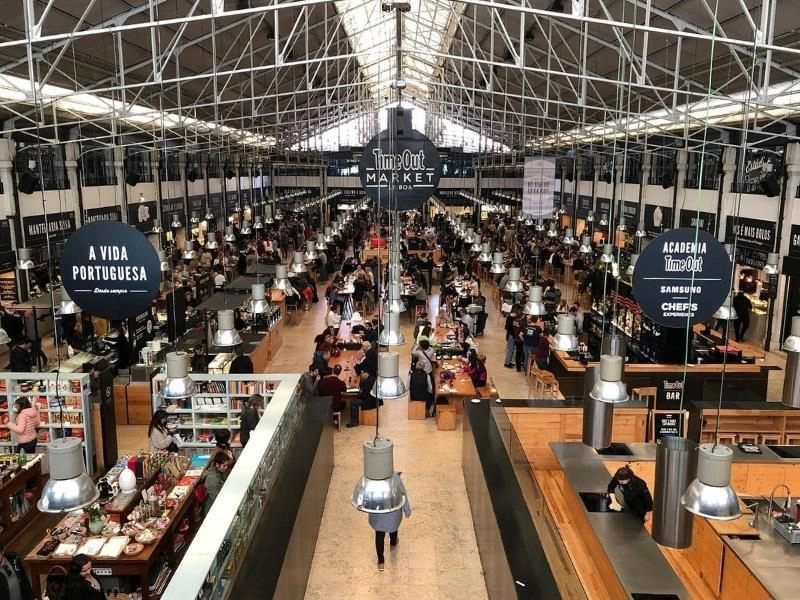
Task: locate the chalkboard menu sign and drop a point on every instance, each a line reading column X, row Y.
column 631, row 212
column 171, row 206
column 140, row 328
column 60, row 225
column 569, row 202
column 142, row 214
column 668, row 422
column 245, row 194
column 704, row 220
column 104, row 213
column 8, row 289
column 5, row 236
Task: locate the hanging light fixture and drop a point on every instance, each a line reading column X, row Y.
column 211, row 240
column 586, row 245
column 497, row 264
column 607, row 257
column 380, row 490
column 726, row 312
column 258, row 300
column 195, row 218
column 310, row 254
column 229, row 235
column 176, row 222
column 514, row 284
column 486, row 254
column 24, row 261
column 553, row 231
column 608, row 387
column 569, row 239
column 632, row 266
column 476, row 245
column 209, row 215
column 771, row 268
column 565, row 338
column 390, row 334
column 68, row 306
column 621, row 224
column 188, row 250
column 590, row 217
column 640, row 231
column 178, row 385
column 268, row 214
column 157, row 228
column 245, row 230
column 328, row 236
column 389, row 385
column 281, row 278
column 534, row 306
column 469, row 238
column 227, row 335
column 321, row 243
column 69, row 487
column 711, row 494
column 539, row 227
column 394, row 301
column 258, row 224
column 298, row 266
column 162, row 260
column 603, row 220
column 4, row 337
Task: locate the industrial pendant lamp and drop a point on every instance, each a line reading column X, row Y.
column 590, row 217
column 67, row 306
column 298, row 266
column 388, row 385
column 569, row 239
column 771, row 268
column 394, row 303
column 188, row 250
column 586, row 245
column 281, row 278
column 178, row 385
column 209, row 215
column 229, row 235
column 390, row 334
column 632, row 266
column 486, row 253
column 603, row 220
column 258, row 300
column 245, row 230
column 162, row 261
column 469, row 238
column 621, row 224
column 514, row 284
column 268, row 214
column 476, row 245
column 176, row 222
column 711, row 494
column 310, row 254
column 227, row 335
column 497, row 264
column 321, row 243
column 257, row 225
column 640, row 231
column 607, row 257
column 565, row 338
column 534, row 306
column 552, row 232
column 211, row 240
column 195, row 218
column 539, row 227
column 609, row 387
column 380, row 490
column 726, row 312
column 24, row 261
column 4, row 337
column 157, row 228
column 328, row 236
column 69, row 487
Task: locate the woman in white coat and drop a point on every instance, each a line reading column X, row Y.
column 384, row 523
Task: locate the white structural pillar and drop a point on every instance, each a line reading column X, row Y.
column 72, row 151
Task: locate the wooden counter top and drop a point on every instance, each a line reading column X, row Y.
column 574, row 366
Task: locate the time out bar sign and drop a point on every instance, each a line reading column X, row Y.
column 682, row 275
column 110, row 270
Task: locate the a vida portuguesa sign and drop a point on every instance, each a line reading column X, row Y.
column 682, row 275
column 110, row 270
column 400, row 167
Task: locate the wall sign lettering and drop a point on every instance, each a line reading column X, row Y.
column 59, row 225
column 110, row 270
column 105, row 213
column 667, row 422
column 682, row 276
column 703, row 220
column 794, row 241
column 750, row 233
column 584, row 206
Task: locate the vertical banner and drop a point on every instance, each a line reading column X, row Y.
column 539, row 187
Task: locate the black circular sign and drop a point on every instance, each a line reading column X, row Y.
column 682, row 274
column 110, row 270
column 410, row 166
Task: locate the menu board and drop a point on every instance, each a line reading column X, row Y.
column 668, row 422
column 602, row 209
column 8, row 289
column 197, row 204
column 140, row 329
column 245, row 193
column 568, row 204
column 231, row 201
column 631, row 212
column 754, row 239
column 5, row 236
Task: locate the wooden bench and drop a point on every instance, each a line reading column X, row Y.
column 368, row 417
column 416, row 410
column 445, row 417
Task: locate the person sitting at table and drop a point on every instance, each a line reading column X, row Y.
column 467, row 320
column 326, row 337
column 420, row 387
column 425, row 333
column 365, row 399
column 477, row 369
column 320, row 360
column 370, row 332
column 333, row 386
column 334, row 316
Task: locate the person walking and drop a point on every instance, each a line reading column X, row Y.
column 250, row 417
column 384, row 523
column 743, row 306
column 25, row 425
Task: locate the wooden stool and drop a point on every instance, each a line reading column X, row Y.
column 643, row 394
column 791, row 439
column 484, row 392
column 727, row 438
column 416, row 410
column 772, row 439
column 445, row 417
column 367, row 417
column 545, row 385
column 337, row 419
column 748, row 438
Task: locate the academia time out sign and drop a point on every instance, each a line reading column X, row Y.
column 408, row 167
column 682, row 275
column 110, row 270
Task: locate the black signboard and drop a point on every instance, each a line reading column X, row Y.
column 657, row 219
column 215, row 204
column 5, row 236
column 172, row 206
column 569, row 202
column 140, row 329
column 667, row 422
column 7, row 260
column 750, row 233
column 402, row 160
column 631, row 212
column 584, row 206
column 197, row 204
column 142, row 214
column 245, row 194
column 110, row 270
column 231, row 201
column 59, row 225
column 794, row 241
column 704, row 220
column 104, row 213
column 749, row 257
column 602, row 210
column 682, row 276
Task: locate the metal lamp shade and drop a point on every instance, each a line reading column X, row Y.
column 4, row 337
column 162, row 261
column 469, row 238
column 157, row 228
column 514, row 284
column 380, row 490
column 565, row 338
column 209, row 216
column 539, row 227
column 211, row 242
column 298, row 266
column 568, row 240
column 176, row 222
column 258, row 224
column 388, row 385
column 476, row 246
column 178, row 384
column 310, row 253
column 726, row 312
column 229, row 235
column 328, row 235
column 603, row 220
column 792, row 343
column 607, row 257
column 497, row 267
column 245, row 230
column 281, row 278
column 321, row 243
column 711, row 495
column 258, row 301
column 621, row 224
column 486, row 253
column 188, row 250
column 394, row 302
column 534, row 305
column 590, row 217
column 640, row 232
column 227, row 335
column 69, row 487
column 609, row 387
column 67, row 306
column 390, row 334
column 771, row 268
column 791, row 380
column 195, row 218
column 632, row 266
column 24, row 261
column 586, row 245
column 552, row 232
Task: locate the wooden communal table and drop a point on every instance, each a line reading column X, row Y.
column 460, row 388
column 440, row 334
column 124, row 566
column 347, row 359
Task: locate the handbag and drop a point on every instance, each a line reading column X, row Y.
column 115, row 594
column 200, row 493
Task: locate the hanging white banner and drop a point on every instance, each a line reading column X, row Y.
column 538, row 187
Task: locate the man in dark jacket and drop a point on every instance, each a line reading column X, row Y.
column 365, row 399
column 743, row 306
column 242, row 364
column 320, row 362
column 21, row 357
column 14, row 583
column 420, row 386
column 634, row 492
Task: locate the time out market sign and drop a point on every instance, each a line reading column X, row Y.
column 682, row 275
column 110, row 270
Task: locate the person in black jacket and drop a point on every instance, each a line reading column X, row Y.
column 634, row 491
column 250, row 417
column 13, row 577
column 21, row 357
column 242, row 364
column 81, row 584
column 420, row 386
column 365, row 399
